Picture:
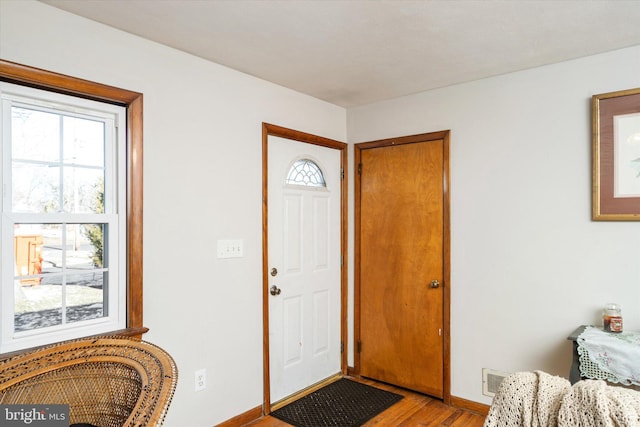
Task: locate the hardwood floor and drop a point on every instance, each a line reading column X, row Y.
column 412, row 411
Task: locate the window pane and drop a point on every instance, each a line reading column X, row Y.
column 307, row 173
column 43, row 249
column 41, row 306
column 59, row 269
column 35, row 187
column 85, row 297
column 37, row 307
column 83, row 246
column 83, row 141
column 83, row 190
column 35, row 135
column 36, row 153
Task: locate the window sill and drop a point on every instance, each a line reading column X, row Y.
column 135, row 333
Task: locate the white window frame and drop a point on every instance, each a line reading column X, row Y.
column 114, row 117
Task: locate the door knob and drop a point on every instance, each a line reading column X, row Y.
column 434, row 284
column 274, row 290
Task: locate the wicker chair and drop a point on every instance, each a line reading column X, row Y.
column 106, row 381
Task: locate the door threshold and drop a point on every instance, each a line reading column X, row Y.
column 305, row 391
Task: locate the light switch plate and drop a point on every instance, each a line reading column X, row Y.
column 231, row 248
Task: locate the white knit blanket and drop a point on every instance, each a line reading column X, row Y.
column 537, row 399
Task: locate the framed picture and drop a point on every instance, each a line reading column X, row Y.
column 616, row 156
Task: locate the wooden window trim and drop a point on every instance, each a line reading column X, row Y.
column 28, row 76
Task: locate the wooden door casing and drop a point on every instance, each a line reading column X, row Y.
column 402, row 245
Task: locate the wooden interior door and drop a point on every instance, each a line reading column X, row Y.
column 402, row 250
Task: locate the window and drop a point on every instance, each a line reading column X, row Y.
column 70, row 223
column 307, row 173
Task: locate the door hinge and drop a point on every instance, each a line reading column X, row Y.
column 342, row 173
column 359, row 346
column 359, row 168
column 341, row 347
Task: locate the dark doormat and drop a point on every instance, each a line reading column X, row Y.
column 343, row 403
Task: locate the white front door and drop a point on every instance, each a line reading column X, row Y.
column 304, row 265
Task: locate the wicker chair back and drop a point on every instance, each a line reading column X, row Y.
column 106, row 381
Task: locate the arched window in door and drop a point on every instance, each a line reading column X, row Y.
column 307, row 173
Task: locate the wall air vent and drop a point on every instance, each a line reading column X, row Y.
column 491, row 381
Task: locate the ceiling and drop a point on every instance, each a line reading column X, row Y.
column 355, row 52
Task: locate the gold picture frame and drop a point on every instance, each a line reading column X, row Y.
column 616, row 156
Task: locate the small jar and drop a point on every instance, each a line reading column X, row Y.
column 612, row 318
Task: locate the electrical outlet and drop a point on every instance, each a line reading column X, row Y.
column 201, row 379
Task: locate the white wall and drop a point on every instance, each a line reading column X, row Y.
column 202, row 182
column 527, row 263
